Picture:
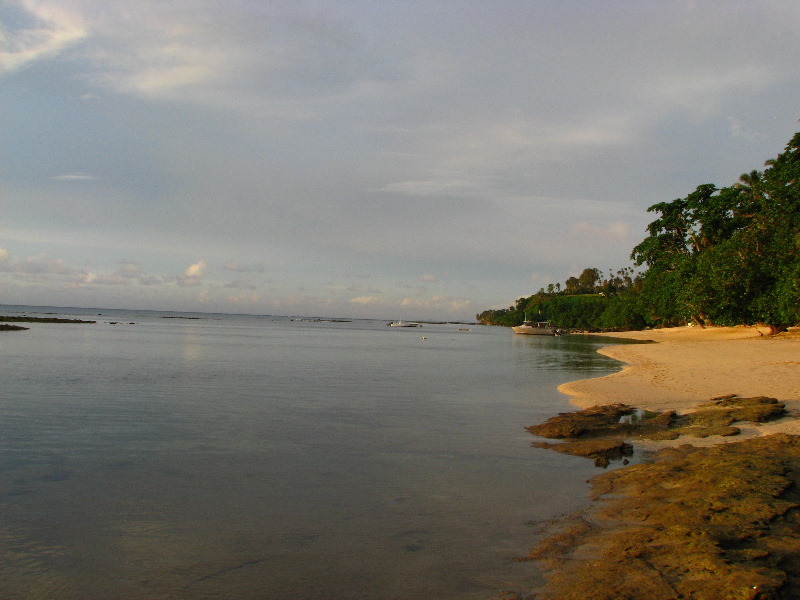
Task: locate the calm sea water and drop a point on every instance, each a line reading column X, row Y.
column 227, row 456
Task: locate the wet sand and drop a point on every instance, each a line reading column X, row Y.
column 707, row 518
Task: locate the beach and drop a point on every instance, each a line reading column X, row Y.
column 708, row 517
column 687, row 366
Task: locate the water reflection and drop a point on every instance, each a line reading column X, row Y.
column 237, row 458
column 191, row 346
column 577, row 353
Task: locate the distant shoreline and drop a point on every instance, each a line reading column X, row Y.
column 9, row 319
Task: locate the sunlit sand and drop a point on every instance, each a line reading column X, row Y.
column 689, row 365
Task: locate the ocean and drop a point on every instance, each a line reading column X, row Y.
column 156, row 455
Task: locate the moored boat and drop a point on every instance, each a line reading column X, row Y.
column 405, row 324
column 535, row 328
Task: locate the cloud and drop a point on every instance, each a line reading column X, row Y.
column 279, row 58
column 702, row 89
column 193, row 274
column 197, row 269
column 429, row 278
column 238, row 267
column 43, row 267
column 74, row 177
column 241, row 284
column 616, row 231
column 368, row 300
column 439, row 303
column 244, row 299
column 130, row 270
column 738, row 130
column 128, row 273
column 42, row 30
column 42, row 264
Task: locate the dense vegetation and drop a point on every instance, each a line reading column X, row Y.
column 721, row 256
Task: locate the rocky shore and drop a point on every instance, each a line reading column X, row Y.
column 716, row 512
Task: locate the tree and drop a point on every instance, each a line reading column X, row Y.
column 723, row 256
column 572, row 285
column 588, row 279
column 728, row 255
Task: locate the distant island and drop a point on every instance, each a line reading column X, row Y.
column 176, row 317
column 720, row 256
column 7, row 319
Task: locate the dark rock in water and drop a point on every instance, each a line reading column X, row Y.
column 616, row 421
column 601, row 451
column 701, row 523
column 594, row 421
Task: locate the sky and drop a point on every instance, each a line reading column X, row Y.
column 411, row 159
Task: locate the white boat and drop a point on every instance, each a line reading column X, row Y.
column 405, row 324
column 535, row 328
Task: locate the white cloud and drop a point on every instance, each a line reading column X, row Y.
column 42, row 267
column 53, row 30
column 741, row 131
column 193, row 275
column 278, row 58
column 439, row 303
column 368, row 300
column 702, row 89
column 85, row 277
column 616, row 231
column 128, row 273
column 43, row 264
column 74, row 177
column 130, row 270
column 197, row 269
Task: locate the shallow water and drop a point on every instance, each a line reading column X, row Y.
column 258, row 457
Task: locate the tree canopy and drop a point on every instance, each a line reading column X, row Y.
column 730, row 255
column 723, row 256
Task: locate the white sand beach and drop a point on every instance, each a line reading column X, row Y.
column 688, row 366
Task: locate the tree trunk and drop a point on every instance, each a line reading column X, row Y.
column 699, row 321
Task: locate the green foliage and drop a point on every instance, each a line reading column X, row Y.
column 724, row 256
column 582, row 304
column 730, row 255
column 623, row 312
column 573, row 311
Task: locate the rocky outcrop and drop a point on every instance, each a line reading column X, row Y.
column 697, row 523
column 602, row 433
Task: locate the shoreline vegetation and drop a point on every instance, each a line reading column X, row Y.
column 721, row 256
column 716, row 512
